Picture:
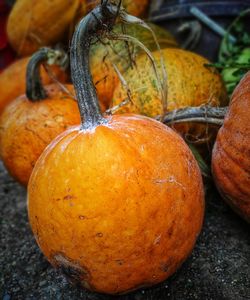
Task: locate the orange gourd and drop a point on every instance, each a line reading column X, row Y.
column 117, row 203
column 13, row 80
column 44, row 23
column 133, row 7
column 29, row 123
column 231, row 152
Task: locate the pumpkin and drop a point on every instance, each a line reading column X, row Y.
column 103, row 56
column 231, row 152
column 189, row 83
column 28, row 124
column 117, row 203
column 44, row 23
column 133, row 7
column 13, row 80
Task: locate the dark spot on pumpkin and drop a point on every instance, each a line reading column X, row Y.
column 171, row 230
column 70, row 268
column 120, row 262
column 99, row 234
column 68, row 197
column 82, row 217
column 164, row 267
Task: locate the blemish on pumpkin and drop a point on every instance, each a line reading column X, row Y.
column 82, row 217
column 68, row 197
column 99, row 234
column 157, row 240
column 164, row 267
column 119, row 262
column 71, row 269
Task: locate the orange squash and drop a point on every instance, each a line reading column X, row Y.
column 103, row 56
column 46, row 22
column 27, row 125
column 189, row 83
column 117, row 203
column 13, row 80
column 133, row 7
column 43, row 23
column 231, row 152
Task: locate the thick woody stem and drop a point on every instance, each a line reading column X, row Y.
column 99, row 21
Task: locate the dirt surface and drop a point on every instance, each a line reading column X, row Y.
column 219, row 267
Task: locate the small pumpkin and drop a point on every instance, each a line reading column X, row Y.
column 13, row 79
column 117, row 203
column 189, row 83
column 29, row 123
column 133, row 7
column 104, row 55
column 231, row 152
column 44, row 23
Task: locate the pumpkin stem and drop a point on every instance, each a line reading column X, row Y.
column 34, row 87
column 202, row 114
column 98, row 22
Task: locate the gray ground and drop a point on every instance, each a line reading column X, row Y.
column 219, row 267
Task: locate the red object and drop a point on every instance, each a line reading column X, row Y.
column 7, row 55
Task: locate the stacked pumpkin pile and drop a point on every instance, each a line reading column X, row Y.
column 116, row 201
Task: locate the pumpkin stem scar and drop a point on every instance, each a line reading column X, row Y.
column 34, row 87
column 96, row 24
column 202, row 114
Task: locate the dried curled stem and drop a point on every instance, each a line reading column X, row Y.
column 203, row 114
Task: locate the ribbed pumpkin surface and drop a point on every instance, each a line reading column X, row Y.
column 231, row 153
column 37, row 23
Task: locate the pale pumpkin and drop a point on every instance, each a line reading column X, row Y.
column 231, row 152
column 104, row 55
column 29, row 123
column 117, row 203
column 189, row 83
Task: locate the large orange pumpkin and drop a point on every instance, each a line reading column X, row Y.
column 28, row 125
column 13, row 80
column 116, row 203
column 104, row 55
column 133, row 7
column 231, row 152
column 189, row 83
column 46, row 22
column 43, row 23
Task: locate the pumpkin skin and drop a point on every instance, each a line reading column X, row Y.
column 189, row 83
column 120, row 221
column 44, row 23
column 133, row 7
column 102, row 57
column 27, row 127
column 231, row 152
column 13, row 79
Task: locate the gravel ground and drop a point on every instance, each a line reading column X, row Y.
column 219, row 267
